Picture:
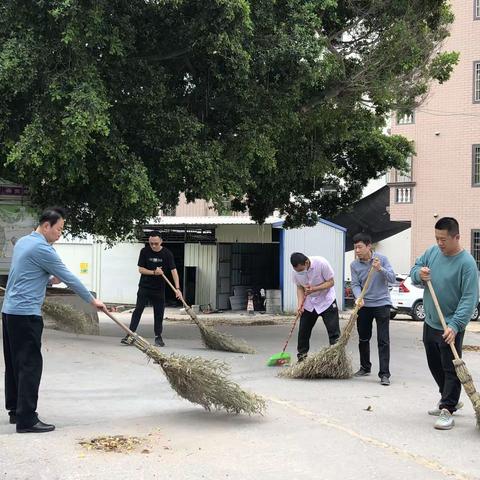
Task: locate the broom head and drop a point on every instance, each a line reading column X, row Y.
column 279, row 359
column 202, row 381
column 466, row 380
column 330, row 362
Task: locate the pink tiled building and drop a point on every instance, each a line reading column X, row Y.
column 445, row 172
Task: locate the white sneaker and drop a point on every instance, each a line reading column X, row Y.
column 436, row 411
column 444, row 421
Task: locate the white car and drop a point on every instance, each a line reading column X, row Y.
column 408, row 298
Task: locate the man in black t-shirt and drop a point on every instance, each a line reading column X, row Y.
column 152, row 262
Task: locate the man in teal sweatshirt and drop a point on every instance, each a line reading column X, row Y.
column 34, row 261
column 453, row 273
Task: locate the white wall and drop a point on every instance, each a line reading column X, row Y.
column 322, row 240
column 110, row 272
column 119, row 272
column 76, row 255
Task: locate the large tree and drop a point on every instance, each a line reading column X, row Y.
column 113, row 107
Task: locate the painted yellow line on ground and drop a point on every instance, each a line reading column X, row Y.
column 405, row 454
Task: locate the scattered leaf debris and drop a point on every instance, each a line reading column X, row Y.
column 113, row 443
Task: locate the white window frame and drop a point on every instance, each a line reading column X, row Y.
column 476, row 81
column 475, row 248
column 476, row 165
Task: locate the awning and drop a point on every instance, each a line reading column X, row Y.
column 212, row 220
column 370, row 215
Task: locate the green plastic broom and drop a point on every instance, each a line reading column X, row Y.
column 283, row 357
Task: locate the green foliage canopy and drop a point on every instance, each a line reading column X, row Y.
column 111, row 108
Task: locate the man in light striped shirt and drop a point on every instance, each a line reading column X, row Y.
column 314, row 278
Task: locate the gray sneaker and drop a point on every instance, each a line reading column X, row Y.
column 436, row 411
column 444, row 421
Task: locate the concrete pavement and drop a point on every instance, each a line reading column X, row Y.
column 326, row 429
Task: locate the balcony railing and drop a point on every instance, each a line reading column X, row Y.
column 403, row 195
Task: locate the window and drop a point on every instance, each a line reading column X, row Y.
column 476, row 9
column 406, row 119
column 476, row 165
column 476, row 246
column 476, row 82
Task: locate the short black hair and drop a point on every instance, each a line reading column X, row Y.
column 449, row 224
column 362, row 237
column 155, row 233
column 52, row 215
column 297, row 259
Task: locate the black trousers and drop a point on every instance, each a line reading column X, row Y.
column 308, row 321
column 22, row 341
column 157, row 300
column 440, row 362
column 364, row 328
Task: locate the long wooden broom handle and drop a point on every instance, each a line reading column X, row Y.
column 185, row 304
column 442, row 318
column 108, row 314
column 118, row 322
column 364, row 290
column 297, row 316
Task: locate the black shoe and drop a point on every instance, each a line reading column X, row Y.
column 159, row 341
column 361, row 373
column 125, row 340
column 384, row 380
column 13, row 418
column 39, row 427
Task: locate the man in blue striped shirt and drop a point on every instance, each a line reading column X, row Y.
column 34, row 260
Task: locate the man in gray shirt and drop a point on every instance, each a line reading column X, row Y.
column 375, row 304
column 34, row 260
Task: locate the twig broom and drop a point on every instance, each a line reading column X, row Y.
column 212, row 338
column 199, row 380
column 332, row 361
column 68, row 319
column 462, row 372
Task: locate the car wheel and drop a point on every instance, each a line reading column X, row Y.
column 418, row 312
column 393, row 314
column 476, row 313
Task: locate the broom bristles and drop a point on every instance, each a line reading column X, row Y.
column 330, row 362
column 215, row 340
column 466, row 380
column 68, row 319
column 202, row 381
